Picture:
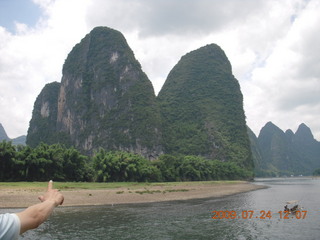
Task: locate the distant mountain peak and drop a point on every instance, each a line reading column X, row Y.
column 290, row 135
column 304, row 133
column 21, row 140
column 284, row 154
column 268, row 129
column 3, row 134
column 289, row 132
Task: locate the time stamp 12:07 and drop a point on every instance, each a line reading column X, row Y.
column 251, row 214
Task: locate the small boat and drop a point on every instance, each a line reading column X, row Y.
column 292, row 206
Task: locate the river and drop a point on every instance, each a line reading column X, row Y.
column 256, row 216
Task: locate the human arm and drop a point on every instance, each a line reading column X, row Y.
column 34, row 215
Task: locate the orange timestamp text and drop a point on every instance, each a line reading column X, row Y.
column 251, row 214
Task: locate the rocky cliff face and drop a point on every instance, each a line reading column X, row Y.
column 202, row 108
column 42, row 127
column 287, row 153
column 105, row 99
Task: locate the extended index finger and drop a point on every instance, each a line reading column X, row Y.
column 50, row 185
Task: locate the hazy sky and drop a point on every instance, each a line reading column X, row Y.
column 273, row 46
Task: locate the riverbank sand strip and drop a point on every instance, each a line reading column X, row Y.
column 16, row 198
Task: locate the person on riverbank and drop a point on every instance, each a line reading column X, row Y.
column 11, row 225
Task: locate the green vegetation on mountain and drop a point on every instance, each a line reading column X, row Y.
column 202, row 109
column 281, row 153
column 105, row 103
column 42, row 127
column 104, row 100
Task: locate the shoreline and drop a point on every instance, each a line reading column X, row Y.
column 22, row 197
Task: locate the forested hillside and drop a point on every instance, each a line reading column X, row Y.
column 202, row 109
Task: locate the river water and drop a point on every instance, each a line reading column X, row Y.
column 192, row 219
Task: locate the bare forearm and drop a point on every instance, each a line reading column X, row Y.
column 33, row 216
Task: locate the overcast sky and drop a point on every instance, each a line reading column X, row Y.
column 273, row 46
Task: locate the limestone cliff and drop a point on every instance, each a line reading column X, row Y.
column 42, row 127
column 105, row 99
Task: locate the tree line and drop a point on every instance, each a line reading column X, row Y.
column 316, row 172
column 23, row 163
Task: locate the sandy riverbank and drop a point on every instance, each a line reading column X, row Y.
column 21, row 197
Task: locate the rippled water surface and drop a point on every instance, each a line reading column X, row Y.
column 192, row 219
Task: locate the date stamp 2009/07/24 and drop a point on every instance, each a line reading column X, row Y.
column 251, row 214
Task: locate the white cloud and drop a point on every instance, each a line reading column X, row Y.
column 32, row 57
column 271, row 44
column 287, row 87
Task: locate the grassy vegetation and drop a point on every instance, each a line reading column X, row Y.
column 110, row 185
column 177, row 190
column 148, row 191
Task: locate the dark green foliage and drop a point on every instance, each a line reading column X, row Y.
column 169, row 167
column 202, row 111
column 23, row 163
column 316, row 172
column 122, row 166
column 195, row 168
column 76, row 166
column 10, row 165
